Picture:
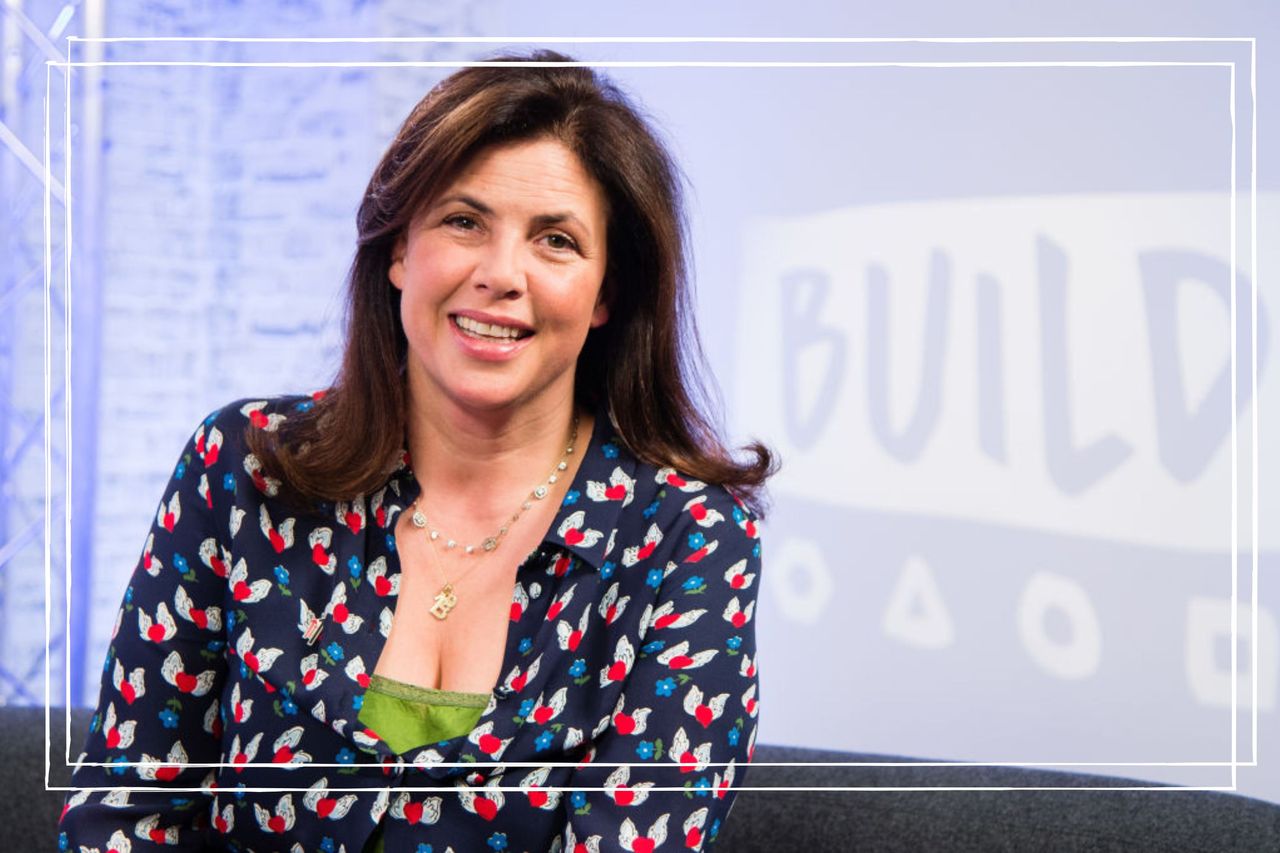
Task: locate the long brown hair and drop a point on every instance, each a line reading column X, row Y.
column 643, row 367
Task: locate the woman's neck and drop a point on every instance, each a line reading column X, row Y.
column 475, row 468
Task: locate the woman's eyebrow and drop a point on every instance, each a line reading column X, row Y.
column 546, row 219
column 467, row 200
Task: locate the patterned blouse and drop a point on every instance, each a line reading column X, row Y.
column 228, row 714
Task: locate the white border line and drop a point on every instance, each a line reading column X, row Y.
column 1234, row 764
column 670, row 39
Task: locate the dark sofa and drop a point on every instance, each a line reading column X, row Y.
column 819, row 821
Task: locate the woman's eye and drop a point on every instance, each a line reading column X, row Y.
column 462, row 221
column 561, row 241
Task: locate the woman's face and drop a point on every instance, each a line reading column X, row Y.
column 500, row 279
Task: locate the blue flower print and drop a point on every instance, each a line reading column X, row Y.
column 424, row 848
column 354, row 567
column 391, row 542
column 180, row 470
column 231, row 621
column 326, row 845
column 702, row 787
column 357, row 702
column 652, row 509
column 128, row 595
column 653, row 646
column 733, row 643
column 169, row 718
column 304, row 405
column 525, row 644
column 577, row 668
column 578, row 799
column 62, row 841
column 498, row 841
column 645, row 749
column 180, row 563
column 117, row 763
column 654, row 578
column 665, row 686
column 610, row 450
column 282, row 575
column 755, row 550
column 335, row 651
column 544, row 740
column 526, row 708
column 229, row 483
column 734, row 734
column 738, row 515
column 346, row 756
column 287, row 705
column 697, row 540
column 606, row 570
column 693, row 582
column 571, row 497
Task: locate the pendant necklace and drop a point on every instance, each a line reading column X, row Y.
column 446, row 599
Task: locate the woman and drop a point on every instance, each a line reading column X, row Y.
column 505, row 538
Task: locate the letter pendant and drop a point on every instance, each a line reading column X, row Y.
column 445, row 601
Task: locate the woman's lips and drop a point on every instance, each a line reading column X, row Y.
column 486, row 348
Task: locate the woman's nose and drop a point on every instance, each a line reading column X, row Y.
column 501, row 268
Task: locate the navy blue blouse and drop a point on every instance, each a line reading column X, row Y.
column 626, row 708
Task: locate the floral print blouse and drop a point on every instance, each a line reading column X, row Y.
column 228, row 714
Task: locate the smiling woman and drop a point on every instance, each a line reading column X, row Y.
column 522, row 564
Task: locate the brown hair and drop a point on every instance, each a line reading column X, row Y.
column 643, row 367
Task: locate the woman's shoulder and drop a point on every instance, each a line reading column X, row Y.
column 267, row 412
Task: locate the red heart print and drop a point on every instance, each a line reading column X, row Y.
column 155, row 633
column 486, row 808
column 166, row 774
column 413, row 812
column 353, row 521
column 489, row 744
column 325, row 806
column 617, row 671
column 698, row 511
column 703, row 715
column 258, row 419
column 381, row 585
column 616, row 493
column 276, row 824
column 277, row 541
column 185, row 682
column 542, row 713
column 573, row 537
column 318, row 556
column 624, row 723
column 623, row 796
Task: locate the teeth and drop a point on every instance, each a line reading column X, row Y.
column 487, row 330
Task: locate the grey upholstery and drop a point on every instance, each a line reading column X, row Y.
column 986, row 821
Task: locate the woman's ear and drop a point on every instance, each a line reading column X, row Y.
column 600, row 315
column 395, row 272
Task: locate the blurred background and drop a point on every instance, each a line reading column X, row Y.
column 978, row 295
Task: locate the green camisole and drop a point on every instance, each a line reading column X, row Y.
column 407, row 717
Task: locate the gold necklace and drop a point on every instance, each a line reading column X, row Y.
column 446, row 599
